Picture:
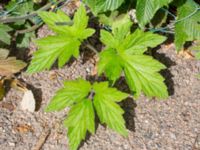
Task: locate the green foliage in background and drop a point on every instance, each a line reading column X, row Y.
column 186, row 23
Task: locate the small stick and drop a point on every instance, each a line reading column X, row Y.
column 29, row 29
column 42, row 139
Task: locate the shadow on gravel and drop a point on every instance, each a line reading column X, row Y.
column 129, row 106
column 88, row 135
column 166, row 73
column 37, row 93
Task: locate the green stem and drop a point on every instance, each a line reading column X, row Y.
column 89, row 46
column 28, row 30
column 23, row 17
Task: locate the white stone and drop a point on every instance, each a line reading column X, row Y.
column 28, row 101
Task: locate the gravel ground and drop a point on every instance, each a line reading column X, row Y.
column 171, row 124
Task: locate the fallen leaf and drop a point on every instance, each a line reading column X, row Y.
column 28, row 101
column 18, row 85
column 94, row 71
column 186, row 54
column 52, row 76
column 9, row 65
column 23, row 128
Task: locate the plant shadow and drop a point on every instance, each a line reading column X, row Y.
column 37, row 93
column 128, row 105
column 88, row 135
column 166, row 73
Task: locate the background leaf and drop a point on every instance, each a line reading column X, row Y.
column 98, row 6
column 4, row 36
column 146, row 9
column 3, row 53
column 187, row 27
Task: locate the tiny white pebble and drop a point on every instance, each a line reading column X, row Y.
column 88, row 70
column 11, row 144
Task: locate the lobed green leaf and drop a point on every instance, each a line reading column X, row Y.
column 80, row 120
column 66, row 41
column 81, row 116
column 107, row 110
column 72, row 92
column 126, row 55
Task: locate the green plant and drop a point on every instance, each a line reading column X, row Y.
column 65, row 43
column 84, row 99
column 124, row 52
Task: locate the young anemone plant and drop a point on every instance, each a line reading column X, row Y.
column 123, row 53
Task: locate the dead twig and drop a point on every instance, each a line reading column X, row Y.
column 42, row 139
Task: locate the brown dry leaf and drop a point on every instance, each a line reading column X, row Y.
column 23, row 128
column 94, row 71
column 9, row 65
column 18, row 85
column 52, row 76
column 186, row 54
